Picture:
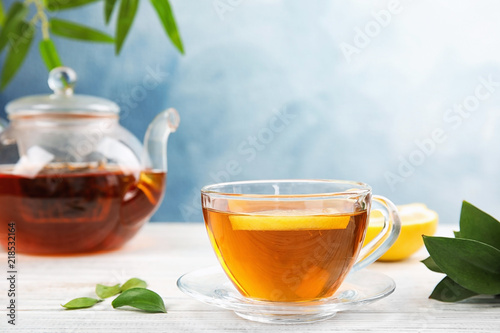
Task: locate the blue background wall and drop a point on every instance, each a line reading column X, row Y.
column 391, row 93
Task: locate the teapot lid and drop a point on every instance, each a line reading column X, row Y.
column 62, row 101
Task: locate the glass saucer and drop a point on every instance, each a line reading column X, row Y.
column 211, row 285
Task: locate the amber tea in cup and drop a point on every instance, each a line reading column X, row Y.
column 293, row 240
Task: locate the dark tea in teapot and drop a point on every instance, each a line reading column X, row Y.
column 76, row 210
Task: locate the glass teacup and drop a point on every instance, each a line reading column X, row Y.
column 294, row 240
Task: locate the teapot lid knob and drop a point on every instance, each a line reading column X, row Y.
column 62, row 80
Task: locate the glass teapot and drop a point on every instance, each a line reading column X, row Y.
column 72, row 179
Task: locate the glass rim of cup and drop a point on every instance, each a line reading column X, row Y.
column 362, row 189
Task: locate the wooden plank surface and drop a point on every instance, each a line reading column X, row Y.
column 162, row 252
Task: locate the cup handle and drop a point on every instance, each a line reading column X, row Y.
column 387, row 236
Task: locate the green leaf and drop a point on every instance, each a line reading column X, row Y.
column 55, row 5
column 18, row 50
column 17, row 12
column 76, row 31
column 457, row 234
column 49, row 54
column 476, row 224
column 81, row 303
column 133, row 283
column 472, row 264
column 449, row 291
column 12, row 24
column 140, row 298
column 126, row 15
column 109, row 5
column 107, row 291
column 167, row 19
column 2, row 14
column 431, row 264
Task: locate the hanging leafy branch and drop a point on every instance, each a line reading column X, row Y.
column 18, row 29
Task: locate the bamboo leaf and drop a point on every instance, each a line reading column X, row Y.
column 76, row 31
column 164, row 11
column 107, row 291
column 18, row 50
column 17, row 11
column 109, row 6
column 126, row 15
column 81, row 303
column 431, row 264
column 140, row 298
column 12, row 24
column 2, row 14
column 49, row 54
column 449, row 291
column 133, row 283
column 478, row 225
column 472, row 264
column 55, row 5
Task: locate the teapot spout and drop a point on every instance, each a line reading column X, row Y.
column 155, row 140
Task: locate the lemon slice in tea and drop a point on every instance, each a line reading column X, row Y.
column 289, row 220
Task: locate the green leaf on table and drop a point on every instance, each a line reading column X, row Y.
column 109, row 6
column 81, row 303
column 478, row 225
column 19, row 47
column 431, row 264
column 12, row 23
column 133, row 283
column 49, row 54
column 55, row 5
column 140, row 298
column 167, row 19
column 77, row 31
column 107, row 291
column 449, row 291
column 472, row 264
column 126, row 15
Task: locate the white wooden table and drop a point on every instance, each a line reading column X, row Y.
column 162, row 252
